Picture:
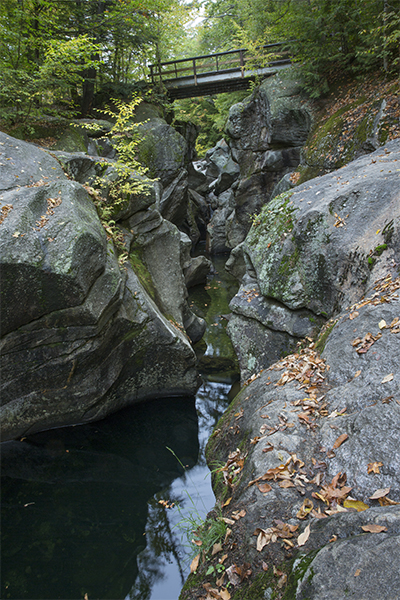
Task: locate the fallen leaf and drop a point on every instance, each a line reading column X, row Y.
column 342, row 438
column 194, row 564
column 306, row 507
column 353, row 315
column 216, row 548
column 356, row 574
column 374, row 467
column 236, row 515
column 303, row 537
column 227, row 501
column 387, row 378
column 382, row 324
column 286, row 484
column 268, row 447
column 380, row 493
column 224, row 594
column 356, row 504
column 265, row 566
column 197, row 542
column 373, row 528
column 220, row 581
column 232, row 573
column 264, row 487
column 387, row 501
column 333, row 538
column 282, row 581
column 357, row 373
column 264, row 537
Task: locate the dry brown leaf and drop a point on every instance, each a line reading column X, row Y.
column 264, row 487
column 232, row 573
column 380, row 493
column 303, row 537
column 374, row 467
column 356, row 574
column 357, row 373
column 265, row 566
column 342, row 438
column 194, row 564
column 227, row 501
column 224, row 594
column 197, row 542
column 306, row 507
column 353, row 315
column 387, row 378
column 264, row 537
column 268, row 447
column 382, row 324
column 387, row 501
column 373, row 528
column 282, row 581
column 286, row 483
column 216, row 548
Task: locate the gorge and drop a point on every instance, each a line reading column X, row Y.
column 306, row 454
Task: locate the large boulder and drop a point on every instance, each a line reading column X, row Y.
column 317, row 248
column 81, row 336
column 162, row 150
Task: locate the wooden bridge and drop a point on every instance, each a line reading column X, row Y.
column 216, row 73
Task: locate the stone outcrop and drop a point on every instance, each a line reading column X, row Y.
column 81, row 336
column 308, row 452
column 312, row 252
column 264, row 136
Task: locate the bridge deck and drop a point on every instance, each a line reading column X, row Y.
column 217, row 73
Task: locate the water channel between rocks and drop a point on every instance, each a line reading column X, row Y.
column 85, row 509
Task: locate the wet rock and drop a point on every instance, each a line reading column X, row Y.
column 81, row 337
column 290, row 423
column 320, row 247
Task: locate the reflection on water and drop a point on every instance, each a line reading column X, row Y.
column 74, row 500
column 81, row 511
column 165, row 563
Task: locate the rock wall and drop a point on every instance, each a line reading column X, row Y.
column 313, row 251
column 305, row 460
column 82, row 337
column 264, row 137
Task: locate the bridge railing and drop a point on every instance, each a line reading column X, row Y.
column 221, row 62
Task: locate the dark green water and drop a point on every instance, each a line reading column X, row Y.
column 81, row 511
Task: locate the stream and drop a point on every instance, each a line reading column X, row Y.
column 100, row 511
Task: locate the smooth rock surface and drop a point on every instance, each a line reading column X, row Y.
column 82, row 337
column 320, row 246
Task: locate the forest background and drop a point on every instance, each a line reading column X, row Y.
column 71, row 58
